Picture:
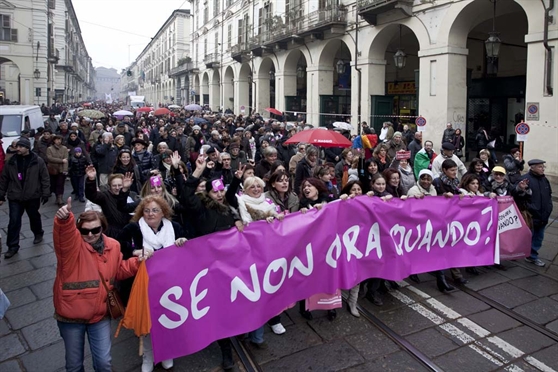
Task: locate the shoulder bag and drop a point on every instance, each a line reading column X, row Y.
column 114, row 302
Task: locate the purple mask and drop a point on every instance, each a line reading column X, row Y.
column 156, row 181
column 217, row 185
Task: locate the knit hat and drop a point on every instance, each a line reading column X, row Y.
column 77, row 149
column 196, row 127
column 427, row 172
column 24, row 142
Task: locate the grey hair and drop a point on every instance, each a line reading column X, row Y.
column 269, row 150
column 106, row 134
column 163, row 143
column 311, row 150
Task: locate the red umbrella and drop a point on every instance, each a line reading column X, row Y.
column 161, row 111
column 320, row 137
column 273, row 111
column 144, row 109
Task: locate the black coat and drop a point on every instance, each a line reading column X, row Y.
column 77, row 166
column 207, row 216
column 540, row 205
column 35, row 183
column 106, row 155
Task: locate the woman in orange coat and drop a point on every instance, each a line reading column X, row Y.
column 84, row 256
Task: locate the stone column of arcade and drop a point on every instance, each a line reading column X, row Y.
column 262, row 97
column 214, row 93
column 285, row 83
column 319, row 82
column 242, row 96
column 443, row 90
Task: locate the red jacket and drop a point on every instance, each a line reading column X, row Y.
column 79, row 295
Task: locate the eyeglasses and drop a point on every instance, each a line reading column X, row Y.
column 94, row 231
column 154, row 210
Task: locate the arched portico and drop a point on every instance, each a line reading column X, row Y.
column 204, row 91
column 243, row 90
column 292, row 85
column 195, row 98
column 228, row 89
column 19, row 83
column 329, row 84
column 214, row 98
column 265, row 85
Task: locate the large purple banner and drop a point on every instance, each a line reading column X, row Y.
column 229, row 283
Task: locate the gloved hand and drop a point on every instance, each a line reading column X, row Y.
column 44, row 199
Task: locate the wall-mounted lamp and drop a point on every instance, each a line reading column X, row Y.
column 37, row 74
column 271, row 75
column 300, row 72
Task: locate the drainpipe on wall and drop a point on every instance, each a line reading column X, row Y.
column 358, row 69
column 547, row 20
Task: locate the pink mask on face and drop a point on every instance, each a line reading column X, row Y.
column 217, row 185
column 155, row 181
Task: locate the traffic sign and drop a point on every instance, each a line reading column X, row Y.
column 533, row 111
column 421, row 123
column 243, row 109
column 522, row 128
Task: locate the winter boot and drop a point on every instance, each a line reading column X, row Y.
column 352, row 301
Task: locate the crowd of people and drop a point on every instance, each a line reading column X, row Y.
column 150, row 182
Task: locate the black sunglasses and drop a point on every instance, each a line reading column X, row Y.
column 95, row 230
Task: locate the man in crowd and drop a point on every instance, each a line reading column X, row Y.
column 24, row 182
column 447, row 153
column 540, row 207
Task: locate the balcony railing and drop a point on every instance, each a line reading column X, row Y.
column 211, row 60
column 180, row 70
column 297, row 24
column 370, row 9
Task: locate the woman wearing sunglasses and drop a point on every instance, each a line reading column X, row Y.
column 85, row 256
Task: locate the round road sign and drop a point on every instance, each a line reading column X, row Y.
column 522, row 128
column 533, row 109
column 420, row 121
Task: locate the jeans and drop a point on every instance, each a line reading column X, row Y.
column 78, row 184
column 257, row 335
column 98, row 335
column 536, row 240
column 16, row 213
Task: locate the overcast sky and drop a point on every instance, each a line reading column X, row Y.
column 116, row 31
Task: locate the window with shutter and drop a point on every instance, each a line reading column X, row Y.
column 240, row 31
column 229, row 37
column 14, row 35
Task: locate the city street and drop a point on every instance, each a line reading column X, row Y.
column 501, row 320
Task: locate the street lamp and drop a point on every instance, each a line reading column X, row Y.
column 300, row 71
column 37, row 74
column 271, row 75
column 493, row 43
column 340, row 66
column 400, row 58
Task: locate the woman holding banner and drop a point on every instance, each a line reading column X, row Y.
column 351, row 190
column 314, row 195
column 212, row 214
column 287, row 202
column 151, row 229
column 254, row 206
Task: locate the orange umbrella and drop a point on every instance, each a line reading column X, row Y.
column 137, row 315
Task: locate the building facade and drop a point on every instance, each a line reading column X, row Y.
column 42, row 56
column 157, row 72
column 379, row 60
column 107, row 83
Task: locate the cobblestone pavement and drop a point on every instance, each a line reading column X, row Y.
column 458, row 331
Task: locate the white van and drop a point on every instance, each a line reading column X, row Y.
column 14, row 119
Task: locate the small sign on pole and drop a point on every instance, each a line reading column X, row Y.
column 521, row 131
column 532, row 113
column 421, row 123
column 242, row 109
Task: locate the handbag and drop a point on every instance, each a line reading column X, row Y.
column 115, row 306
column 53, row 169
